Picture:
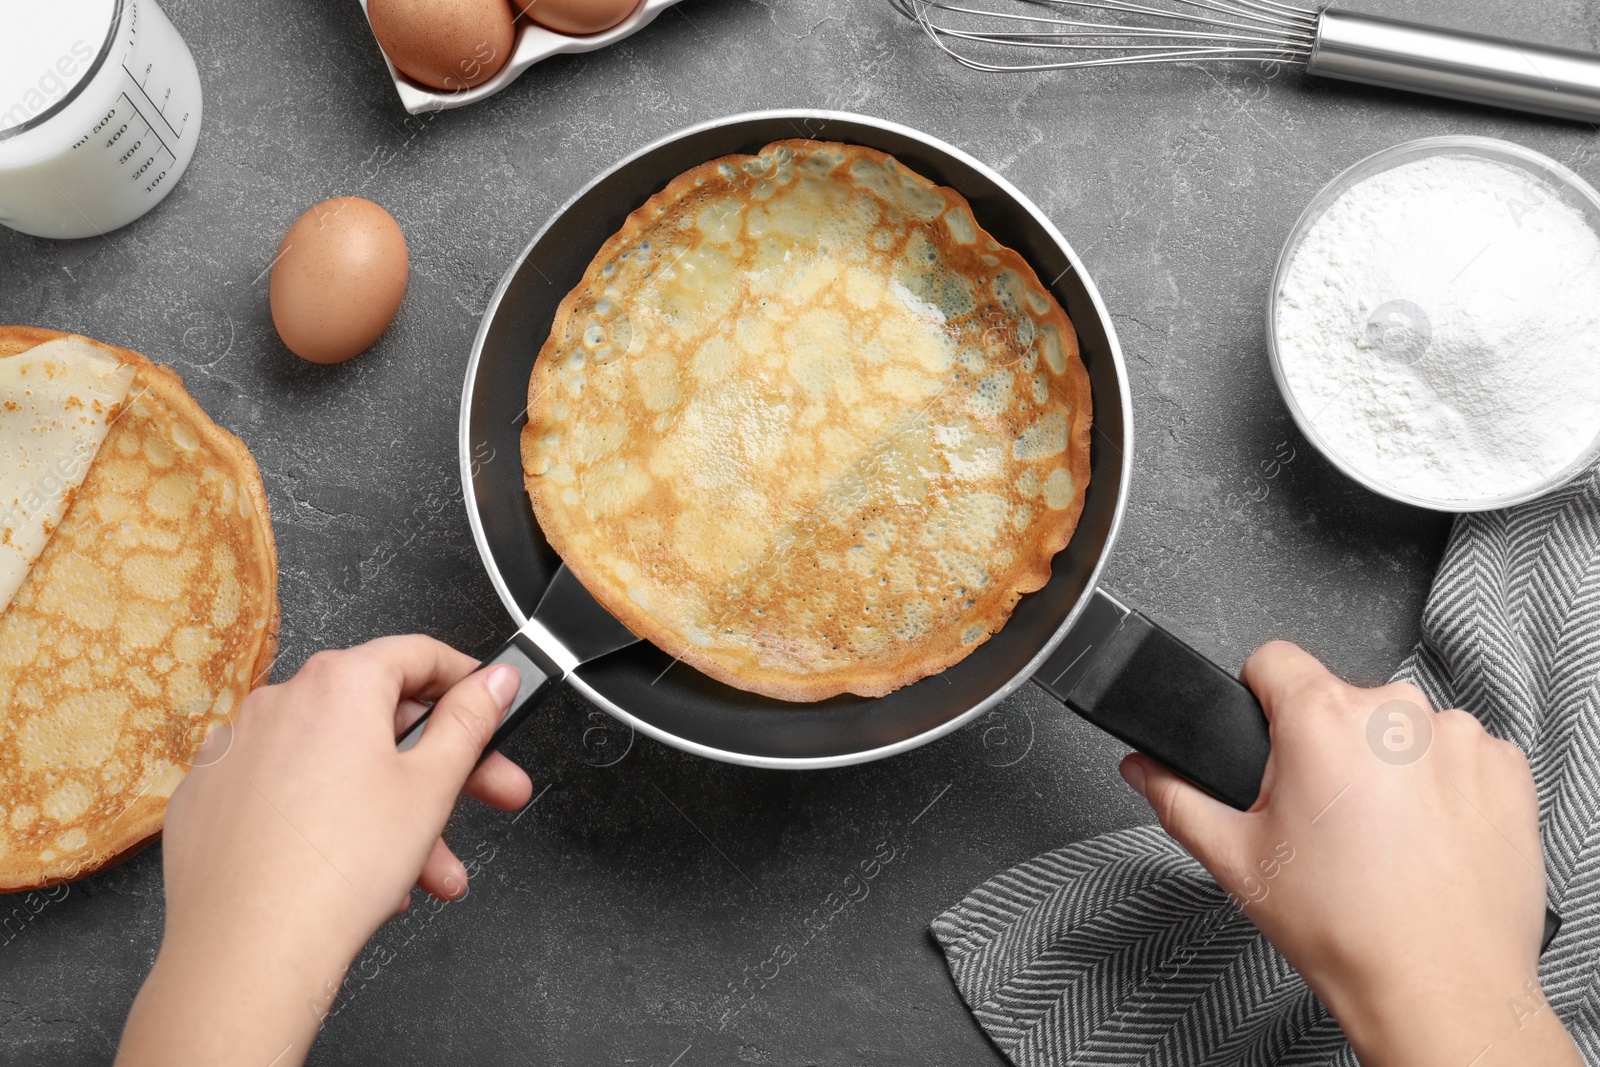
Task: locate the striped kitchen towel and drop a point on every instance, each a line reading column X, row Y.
column 1122, row 950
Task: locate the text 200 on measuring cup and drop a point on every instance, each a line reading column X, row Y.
column 99, row 113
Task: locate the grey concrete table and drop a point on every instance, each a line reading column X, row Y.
column 652, row 907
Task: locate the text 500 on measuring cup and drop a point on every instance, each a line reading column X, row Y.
column 99, row 113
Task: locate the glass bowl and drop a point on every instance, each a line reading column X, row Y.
column 1555, row 178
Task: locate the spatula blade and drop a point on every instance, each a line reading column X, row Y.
column 574, row 617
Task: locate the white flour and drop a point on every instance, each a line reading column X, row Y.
column 1440, row 327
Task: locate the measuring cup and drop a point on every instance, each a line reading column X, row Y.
column 99, row 113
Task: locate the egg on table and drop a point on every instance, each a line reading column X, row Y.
column 577, row 17
column 444, row 44
column 338, row 280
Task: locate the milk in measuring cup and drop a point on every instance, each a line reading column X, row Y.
column 99, row 113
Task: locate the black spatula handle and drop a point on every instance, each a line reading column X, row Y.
column 539, row 672
column 1137, row 682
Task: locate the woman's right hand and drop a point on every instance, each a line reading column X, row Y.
column 1393, row 857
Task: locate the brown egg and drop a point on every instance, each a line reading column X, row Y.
column 577, row 17
column 338, row 279
column 444, row 44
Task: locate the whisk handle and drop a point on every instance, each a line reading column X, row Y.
column 1478, row 68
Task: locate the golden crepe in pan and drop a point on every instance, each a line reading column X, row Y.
column 804, row 425
column 149, row 615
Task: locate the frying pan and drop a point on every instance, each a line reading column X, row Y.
column 1104, row 660
column 1108, row 662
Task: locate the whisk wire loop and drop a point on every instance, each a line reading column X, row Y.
column 1075, row 29
column 1224, row 7
column 1189, row 31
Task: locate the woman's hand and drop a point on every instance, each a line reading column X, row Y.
column 1393, row 857
column 302, row 829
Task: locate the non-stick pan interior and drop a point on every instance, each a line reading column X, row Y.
column 675, row 702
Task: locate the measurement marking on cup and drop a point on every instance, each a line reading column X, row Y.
column 146, row 95
column 1332, row 802
column 159, row 139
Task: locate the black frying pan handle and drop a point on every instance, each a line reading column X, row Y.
column 540, row 675
column 1137, row 682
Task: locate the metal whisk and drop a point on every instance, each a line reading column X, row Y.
column 1074, row 34
column 1197, row 30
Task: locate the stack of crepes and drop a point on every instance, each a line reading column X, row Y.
column 138, row 598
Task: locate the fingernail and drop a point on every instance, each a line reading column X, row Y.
column 503, row 682
column 1132, row 772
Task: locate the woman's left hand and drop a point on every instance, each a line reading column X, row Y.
column 299, row 831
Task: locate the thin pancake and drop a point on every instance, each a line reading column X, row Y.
column 56, row 402
column 806, row 426
column 149, row 616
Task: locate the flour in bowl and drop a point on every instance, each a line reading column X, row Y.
column 1439, row 327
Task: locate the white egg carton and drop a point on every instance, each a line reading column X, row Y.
column 533, row 45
